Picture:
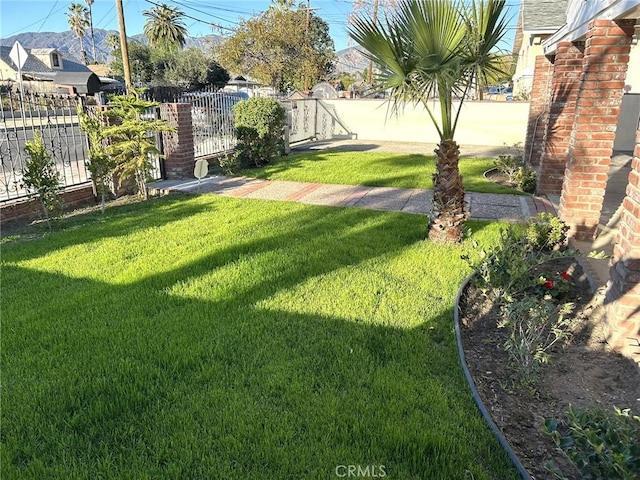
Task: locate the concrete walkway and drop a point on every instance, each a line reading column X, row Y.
column 482, row 206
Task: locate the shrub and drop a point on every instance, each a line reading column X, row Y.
column 228, row 163
column 526, row 179
column 130, row 140
column 518, row 174
column 547, row 232
column 535, row 325
column 601, row 444
column 100, row 165
column 505, row 271
column 508, row 165
column 259, row 130
column 41, row 177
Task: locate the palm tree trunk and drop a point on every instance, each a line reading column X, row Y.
column 448, row 214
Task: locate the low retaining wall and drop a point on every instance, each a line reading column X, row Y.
column 25, row 210
column 481, row 122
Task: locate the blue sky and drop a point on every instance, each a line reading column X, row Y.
column 19, row 16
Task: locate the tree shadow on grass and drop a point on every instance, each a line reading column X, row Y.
column 117, row 221
column 180, row 374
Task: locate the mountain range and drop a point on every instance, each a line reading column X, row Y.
column 350, row 60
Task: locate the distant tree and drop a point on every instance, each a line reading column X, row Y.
column 374, row 10
column 78, row 18
column 282, row 47
column 194, row 69
column 165, row 28
column 113, row 41
column 140, row 58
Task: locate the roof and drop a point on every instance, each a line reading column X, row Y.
column 83, row 82
column 543, row 15
column 35, row 66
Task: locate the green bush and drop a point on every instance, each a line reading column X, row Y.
column 508, row 165
column 601, row 444
column 40, row 176
column 505, row 271
column 259, row 130
column 526, row 179
column 547, row 232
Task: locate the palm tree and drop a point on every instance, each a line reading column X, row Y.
column 113, row 41
column 165, row 28
column 78, row 21
column 436, row 49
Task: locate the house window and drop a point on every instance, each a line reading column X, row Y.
column 55, row 60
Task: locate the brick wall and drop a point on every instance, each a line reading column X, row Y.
column 26, row 210
column 623, row 293
column 538, row 113
column 567, row 70
column 591, row 137
column 179, row 154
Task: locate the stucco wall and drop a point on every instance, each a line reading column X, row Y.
column 481, row 123
column 632, row 82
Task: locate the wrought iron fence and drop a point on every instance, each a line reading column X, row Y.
column 56, row 117
column 212, row 120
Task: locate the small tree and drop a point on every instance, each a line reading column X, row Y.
column 40, row 176
column 130, row 139
column 100, row 164
column 259, row 130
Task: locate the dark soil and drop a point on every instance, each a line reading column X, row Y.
column 585, row 373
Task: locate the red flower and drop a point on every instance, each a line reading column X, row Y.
column 548, row 284
column 565, row 276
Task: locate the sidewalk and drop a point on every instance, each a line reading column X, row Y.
column 482, row 206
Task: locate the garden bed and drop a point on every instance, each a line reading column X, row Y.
column 583, row 374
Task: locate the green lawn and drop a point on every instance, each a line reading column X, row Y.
column 217, row 338
column 374, row 169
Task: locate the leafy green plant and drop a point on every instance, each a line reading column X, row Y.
column 601, row 444
column 130, row 140
column 100, row 165
column 505, row 270
column 228, row 162
column 41, row 177
column 527, row 301
column 535, row 326
column 555, row 285
column 547, row 232
column 259, row 130
column 508, row 165
column 526, row 179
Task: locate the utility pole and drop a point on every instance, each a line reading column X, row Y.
column 306, row 48
column 93, row 40
column 123, row 46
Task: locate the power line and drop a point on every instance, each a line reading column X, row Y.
column 213, row 25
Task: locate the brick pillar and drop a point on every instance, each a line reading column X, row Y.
column 606, row 56
column 538, row 114
column 178, row 147
column 623, row 293
column 564, row 93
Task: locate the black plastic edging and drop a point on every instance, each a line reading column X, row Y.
column 476, row 397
